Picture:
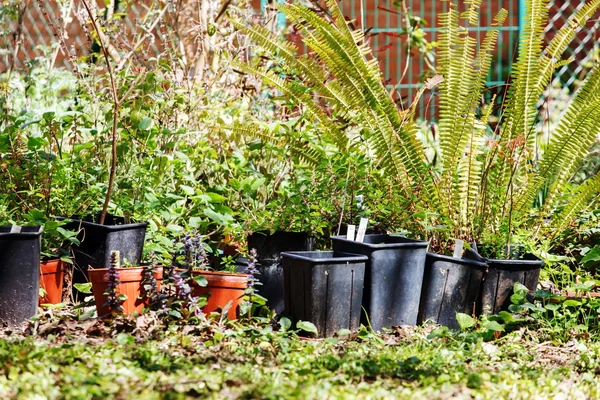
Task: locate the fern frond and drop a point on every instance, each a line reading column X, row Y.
column 306, row 155
column 584, row 195
column 337, row 47
column 464, row 82
column 575, row 133
column 293, row 91
column 312, row 72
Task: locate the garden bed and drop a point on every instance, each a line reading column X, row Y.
column 59, row 357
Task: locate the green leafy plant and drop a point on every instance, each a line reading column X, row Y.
column 487, row 178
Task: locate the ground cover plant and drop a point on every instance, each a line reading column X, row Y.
column 61, row 357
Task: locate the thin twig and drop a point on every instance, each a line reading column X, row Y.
column 113, row 85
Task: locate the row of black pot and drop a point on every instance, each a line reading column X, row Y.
column 20, row 259
column 393, row 279
column 403, row 284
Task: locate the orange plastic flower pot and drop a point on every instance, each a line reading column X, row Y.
column 222, row 288
column 131, row 286
column 52, row 273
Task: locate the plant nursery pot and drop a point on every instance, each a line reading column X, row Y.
column 325, row 288
column 393, row 277
column 131, row 286
column 450, row 285
column 51, row 280
column 98, row 241
column 498, row 283
column 222, row 288
column 20, row 271
column 269, row 248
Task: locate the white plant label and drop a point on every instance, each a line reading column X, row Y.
column 15, row 229
column 458, row 248
column 351, row 232
column 362, row 229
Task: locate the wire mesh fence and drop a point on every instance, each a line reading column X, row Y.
column 33, row 28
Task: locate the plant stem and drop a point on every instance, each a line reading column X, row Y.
column 113, row 164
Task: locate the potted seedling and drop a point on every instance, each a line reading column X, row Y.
column 488, row 174
column 224, row 289
column 55, row 256
column 119, row 289
column 393, row 275
column 103, row 233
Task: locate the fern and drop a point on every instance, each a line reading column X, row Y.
column 581, row 199
column 339, row 76
column 484, row 182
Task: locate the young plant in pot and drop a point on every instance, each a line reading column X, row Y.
column 500, row 186
column 102, row 233
column 491, row 175
column 55, row 257
column 224, row 289
column 119, row 289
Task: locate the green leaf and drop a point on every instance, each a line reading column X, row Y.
column 83, row 287
column 521, row 289
column 218, row 217
column 571, row 303
column 194, row 222
column 215, row 197
column 188, row 190
column 493, row 326
column 344, row 332
column 285, row 323
column 145, row 124
column 506, row 317
column 125, row 339
column 465, row 321
column 307, row 327
column 200, row 280
column 34, row 143
column 592, row 256
column 552, row 306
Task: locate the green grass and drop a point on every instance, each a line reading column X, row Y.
column 145, row 360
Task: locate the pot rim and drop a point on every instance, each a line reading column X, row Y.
column 77, row 219
column 462, row 261
column 345, row 257
column 31, row 232
column 407, row 242
column 215, row 273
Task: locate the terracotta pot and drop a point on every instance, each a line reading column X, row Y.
column 222, row 287
column 51, row 280
column 131, row 286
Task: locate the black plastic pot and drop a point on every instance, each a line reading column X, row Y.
column 325, row 288
column 393, row 277
column 98, row 241
column 269, row 248
column 450, row 285
column 20, row 271
column 501, row 278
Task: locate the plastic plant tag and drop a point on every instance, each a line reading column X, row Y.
column 362, row 229
column 15, row 229
column 458, row 248
column 351, row 232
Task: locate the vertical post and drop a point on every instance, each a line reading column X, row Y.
column 521, row 14
column 280, row 16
